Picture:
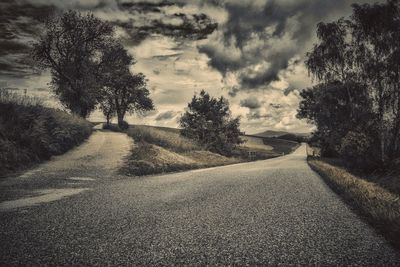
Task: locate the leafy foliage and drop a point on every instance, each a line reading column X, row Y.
column 70, row 48
column 122, row 92
column 208, row 121
column 356, row 65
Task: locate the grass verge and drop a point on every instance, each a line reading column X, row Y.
column 373, row 197
column 161, row 150
column 31, row 133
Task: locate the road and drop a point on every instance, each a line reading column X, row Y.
column 276, row 212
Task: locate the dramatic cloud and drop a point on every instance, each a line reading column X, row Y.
column 251, row 103
column 20, row 23
column 251, row 52
column 260, row 38
column 193, row 26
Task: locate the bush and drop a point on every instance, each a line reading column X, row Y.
column 355, row 149
column 111, row 127
column 208, row 121
column 123, row 125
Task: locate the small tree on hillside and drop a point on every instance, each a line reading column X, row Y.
column 208, row 121
column 71, row 47
column 123, row 92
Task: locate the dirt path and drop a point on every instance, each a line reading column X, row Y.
column 96, row 160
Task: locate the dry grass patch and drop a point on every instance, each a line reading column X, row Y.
column 378, row 205
column 162, row 137
column 161, row 150
column 152, row 159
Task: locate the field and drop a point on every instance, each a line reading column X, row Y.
column 31, row 133
column 160, row 150
column 278, row 146
column 376, row 197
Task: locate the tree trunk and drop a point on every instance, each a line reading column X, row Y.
column 108, row 119
column 120, row 116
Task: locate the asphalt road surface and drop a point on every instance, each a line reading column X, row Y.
column 276, row 212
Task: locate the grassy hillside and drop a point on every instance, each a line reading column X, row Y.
column 296, row 137
column 161, row 149
column 278, row 146
column 31, row 133
column 270, row 133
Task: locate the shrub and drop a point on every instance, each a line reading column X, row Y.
column 123, row 125
column 111, row 127
column 355, row 149
column 208, row 121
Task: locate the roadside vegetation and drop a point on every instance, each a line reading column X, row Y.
column 163, row 150
column 90, row 68
column 159, row 150
column 31, row 133
column 208, row 122
column 356, row 103
column 209, row 137
column 376, row 197
column 356, row 109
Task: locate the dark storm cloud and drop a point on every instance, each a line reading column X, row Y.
column 144, row 7
column 167, row 115
column 251, row 103
column 221, row 60
column 291, row 26
column 20, row 22
column 176, row 25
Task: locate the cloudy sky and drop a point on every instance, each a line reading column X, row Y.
column 250, row 52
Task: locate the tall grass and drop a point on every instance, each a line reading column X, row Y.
column 377, row 204
column 9, row 97
column 163, row 138
column 31, row 133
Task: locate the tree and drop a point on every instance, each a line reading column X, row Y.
column 122, row 92
column 71, row 48
column 208, row 121
column 336, row 108
column 361, row 55
column 108, row 107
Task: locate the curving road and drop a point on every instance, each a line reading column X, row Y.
column 276, row 212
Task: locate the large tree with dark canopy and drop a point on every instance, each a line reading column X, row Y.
column 356, row 63
column 208, row 120
column 71, row 48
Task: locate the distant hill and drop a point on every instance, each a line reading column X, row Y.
column 270, row 133
column 298, row 137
